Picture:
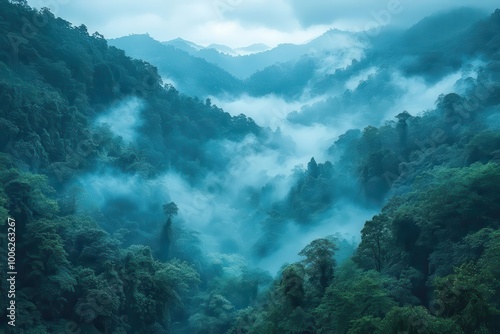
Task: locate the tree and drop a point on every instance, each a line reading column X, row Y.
column 312, row 168
column 170, row 210
column 292, row 285
column 297, row 322
column 215, row 316
column 354, row 295
column 166, row 237
column 464, row 297
column 416, row 320
column 365, row 325
column 402, row 126
column 319, row 262
column 373, row 250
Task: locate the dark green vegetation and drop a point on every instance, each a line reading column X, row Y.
column 52, row 91
column 427, row 263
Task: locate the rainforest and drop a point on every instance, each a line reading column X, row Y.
column 344, row 183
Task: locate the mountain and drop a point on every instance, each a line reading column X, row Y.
column 426, row 50
column 128, row 207
column 223, row 49
column 191, row 75
column 242, row 65
column 441, row 36
column 193, row 48
column 209, row 69
column 432, row 49
column 79, row 120
column 333, row 41
column 254, row 48
column 322, row 65
column 184, row 45
column 437, row 30
column 71, row 86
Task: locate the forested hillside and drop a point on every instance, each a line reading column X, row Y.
column 56, row 83
column 285, row 70
column 139, row 209
column 191, row 74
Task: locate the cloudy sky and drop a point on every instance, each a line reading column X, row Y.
column 242, row 22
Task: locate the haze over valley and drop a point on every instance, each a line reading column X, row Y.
column 251, row 168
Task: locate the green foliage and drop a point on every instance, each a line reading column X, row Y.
column 216, row 316
column 170, row 210
column 469, row 190
column 250, row 320
column 436, row 243
column 292, row 285
column 243, row 289
column 62, row 78
column 464, row 297
column 491, row 258
column 355, row 294
column 373, row 252
column 414, row 320
column 483, row 146
column 28, row 317
column 365, row 325
column 313, row 192
column 319, row 263
column 299, row 321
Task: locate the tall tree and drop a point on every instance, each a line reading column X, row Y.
column 312, row 168
column 319, row 262
column 375, row 241
column 166, row 238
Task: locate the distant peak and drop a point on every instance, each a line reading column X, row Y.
column 183, row 44
column 178, row 39
column 253, row 48
column 145, row 36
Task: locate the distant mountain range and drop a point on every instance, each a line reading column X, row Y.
column 191, row 75
column 193, row 48
column 432, row 48
column 217, row 69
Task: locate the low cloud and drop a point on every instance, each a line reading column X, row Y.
column 345, row 219
column 238, row 23
column 362, row 13
column 123, row 119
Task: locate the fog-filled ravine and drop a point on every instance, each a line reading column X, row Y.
column 347, row 183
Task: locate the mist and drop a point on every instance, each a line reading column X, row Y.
column 221, row 207
column 234, row 210
column 344, row 221
column 227, row 213
column 250, row 167
column 123, row 119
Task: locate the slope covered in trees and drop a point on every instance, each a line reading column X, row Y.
column 428, row 262
column 58, row 80
column 192, row 75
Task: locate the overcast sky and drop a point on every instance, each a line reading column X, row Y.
column 242, row 22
